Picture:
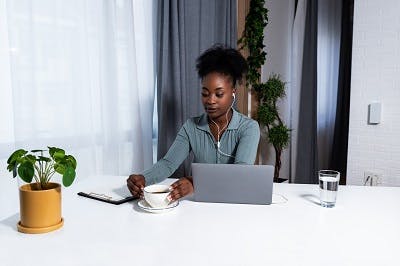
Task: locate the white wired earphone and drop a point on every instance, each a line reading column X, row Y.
column 219, row 130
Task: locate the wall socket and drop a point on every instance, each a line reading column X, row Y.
column 372, row 178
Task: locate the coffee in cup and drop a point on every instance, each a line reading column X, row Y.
column 156, row 195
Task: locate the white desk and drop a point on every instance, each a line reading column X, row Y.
column 363, row 229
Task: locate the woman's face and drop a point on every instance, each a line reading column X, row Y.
column 216, row 94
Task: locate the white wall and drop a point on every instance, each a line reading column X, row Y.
column 375, row 77
column 278, row 47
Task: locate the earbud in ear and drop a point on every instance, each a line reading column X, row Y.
column 234, row 96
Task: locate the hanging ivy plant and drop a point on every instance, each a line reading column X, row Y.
column 253, row 38
column 270, row 92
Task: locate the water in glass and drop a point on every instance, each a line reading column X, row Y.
column 328, row 186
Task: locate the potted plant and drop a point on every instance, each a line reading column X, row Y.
column 40, row 201
column 268, row 93
column 267, row 114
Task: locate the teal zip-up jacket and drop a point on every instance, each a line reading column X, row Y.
column 238, row 144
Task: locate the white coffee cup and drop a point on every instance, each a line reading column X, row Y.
column 156, row 195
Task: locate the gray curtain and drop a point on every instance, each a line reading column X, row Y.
column 340, row 140
column 186, row 28
column 307, row 157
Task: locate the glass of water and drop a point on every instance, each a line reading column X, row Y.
column 328, row 186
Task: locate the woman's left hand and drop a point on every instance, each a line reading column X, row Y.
column 181, row 188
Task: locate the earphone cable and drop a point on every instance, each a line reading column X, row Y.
column 218, row 130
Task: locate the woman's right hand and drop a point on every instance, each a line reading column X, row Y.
column 135, row 184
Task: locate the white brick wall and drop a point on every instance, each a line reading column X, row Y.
column 375, row 77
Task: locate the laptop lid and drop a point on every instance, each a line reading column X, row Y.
column 233, row 183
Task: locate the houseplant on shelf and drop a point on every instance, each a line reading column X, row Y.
column 268, row 93
column 40, row 201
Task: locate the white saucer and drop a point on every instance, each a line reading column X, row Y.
column 146, row 207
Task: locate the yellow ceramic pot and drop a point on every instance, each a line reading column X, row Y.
column 40, row 210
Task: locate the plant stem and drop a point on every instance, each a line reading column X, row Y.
column 51, row 173
column 47, row 171
column 278, row 162
column 37, row 176
column 277, row 114
column 41, row 166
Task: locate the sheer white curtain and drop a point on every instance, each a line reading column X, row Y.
column 79, row 75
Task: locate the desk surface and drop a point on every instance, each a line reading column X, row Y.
column 363, row 229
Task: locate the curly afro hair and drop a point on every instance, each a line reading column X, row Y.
column 223, row 60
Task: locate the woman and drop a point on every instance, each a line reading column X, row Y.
column 220, row 135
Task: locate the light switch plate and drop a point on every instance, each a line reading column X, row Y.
column 374, row 113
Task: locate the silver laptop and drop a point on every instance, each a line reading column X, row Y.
column 233, row 183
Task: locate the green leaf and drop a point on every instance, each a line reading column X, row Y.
column 26, row 171
column 56, row 152
column 52, row 150
column 58, row 155
column 71, row 161
column 11, row 167
column 16, row 155
column 273, row 89
column 279, row 136
column 68, row 177
column 14, row 160
column 31, row 158
column 59, row 168
column 266, row 114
